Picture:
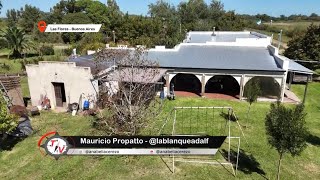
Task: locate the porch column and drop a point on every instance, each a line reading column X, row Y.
column 167, row 77
column 241, row 87
column 283, row 86
column 290, row 79
column 306, row 90
column 203, row 85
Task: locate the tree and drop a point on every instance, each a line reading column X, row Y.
column 13, row 17
column 191, row 12
column 7, row 121
column 132, row 89
column 286, row 130
column 305, row 47
column 30, row 16
column 170, row 29
column 115, row 15
column 216, row 9
column 17, row 41
column 251, row 92
column 0, row 7
column 74, row 18
column 96, row 11
column 162, row 9
column 65, row 7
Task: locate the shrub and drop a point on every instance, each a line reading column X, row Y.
column 67, row 52
column 8, row 122
column 5, row 66
column 3, row 43
column 56, row 58
column 46, row 50
column 24, row 62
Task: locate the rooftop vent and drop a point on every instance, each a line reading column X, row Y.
column 214, row 31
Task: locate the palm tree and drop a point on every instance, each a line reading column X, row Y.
column 17, row 41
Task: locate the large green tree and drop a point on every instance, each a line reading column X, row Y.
column 192, row 12
column 13, row 17
column 63, row 8
column 305, row 46
column 96, row 11
column 30, row 16
column 16, row 40
column 169, row 31
column 216, row 10
column 286, row 130
column 74, row 18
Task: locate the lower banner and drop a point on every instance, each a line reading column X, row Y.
column 157, row 152
column 57, row 146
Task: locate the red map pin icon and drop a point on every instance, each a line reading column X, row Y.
column 42, row 26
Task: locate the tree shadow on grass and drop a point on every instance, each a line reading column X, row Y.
column 226, row 116
column 9, row 143
column 314, row 140
column 247, row 162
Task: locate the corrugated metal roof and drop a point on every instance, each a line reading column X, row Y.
column 88, row 61
column 296, row 67
column 137, row 75
column 217, row 57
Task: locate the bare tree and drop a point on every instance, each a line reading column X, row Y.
column 131, row 86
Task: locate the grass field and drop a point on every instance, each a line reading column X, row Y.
column 287, row 26
column 257, row 160
column 292, row 25
column 14, row 66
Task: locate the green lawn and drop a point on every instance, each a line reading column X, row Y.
column 287, row 26
column 13, row 66
column 257, row 161
column 292, row 25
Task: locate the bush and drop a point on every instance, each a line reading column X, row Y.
column 46, row 50
column 67, row 52
column 24, row 62
column 3, row 43
column 8, row 122
column 56, row 58
column 5, row 66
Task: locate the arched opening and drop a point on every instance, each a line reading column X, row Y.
column 223, row 84
column 187, row 83
column 269, row 87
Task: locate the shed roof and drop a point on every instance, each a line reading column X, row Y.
column 137, row 75
column 88, row 61
column 217, row 57
column 296, row 67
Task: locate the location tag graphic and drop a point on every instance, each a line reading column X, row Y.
column 42, row 26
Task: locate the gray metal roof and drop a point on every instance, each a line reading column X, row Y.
column 138, row 75
column 217, row 57
column 88, row 61
column 205, row 37
column 295, row 67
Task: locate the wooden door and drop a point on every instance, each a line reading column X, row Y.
column 58, row 94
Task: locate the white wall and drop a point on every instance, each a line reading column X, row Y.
column 77, row 82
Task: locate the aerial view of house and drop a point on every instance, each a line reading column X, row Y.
column 159, row 89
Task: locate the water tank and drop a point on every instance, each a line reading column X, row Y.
column 86, row 105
